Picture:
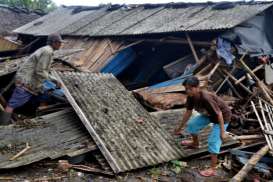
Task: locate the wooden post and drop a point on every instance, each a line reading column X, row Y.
column 192, row 48
column 250, row 164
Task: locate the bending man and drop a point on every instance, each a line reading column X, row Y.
column 33, row 72
column 212, row 109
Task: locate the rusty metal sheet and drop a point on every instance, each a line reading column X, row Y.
column 49, row 136
column 126, row 134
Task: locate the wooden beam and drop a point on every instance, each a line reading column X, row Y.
column 244, row 77
column 248, row 137
column 174, row 40
column 213, row 70
column 250, row 164
column 192, row 48
column 234, row 80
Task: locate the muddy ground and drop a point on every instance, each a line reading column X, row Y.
column 48, row 171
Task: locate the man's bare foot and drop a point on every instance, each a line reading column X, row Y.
column 189, row 144
column 208, row 172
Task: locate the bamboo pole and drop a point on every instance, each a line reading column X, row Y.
column 244, row 77
column 261, row 123
column 248, row 137
column 21, row 152
column 266, row 126
column 250, row 164
column 213, row 70
column 234, row 80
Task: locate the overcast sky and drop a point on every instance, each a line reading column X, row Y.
column 97, row 2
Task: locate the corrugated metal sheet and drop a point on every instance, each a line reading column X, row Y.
column 142, row 20
column 50, row 136
column 170, row 120
column 111, row 115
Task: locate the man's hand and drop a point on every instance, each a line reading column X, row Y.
column 58, row 85
column 223, row 136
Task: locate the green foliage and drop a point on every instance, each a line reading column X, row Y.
column 45, row 5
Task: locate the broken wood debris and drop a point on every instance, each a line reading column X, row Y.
column 250, row 164
column 240, row 83
column 70, row 139
column 21, row 152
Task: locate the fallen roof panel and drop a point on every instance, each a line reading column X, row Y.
column 50, row 136
column 114, row 118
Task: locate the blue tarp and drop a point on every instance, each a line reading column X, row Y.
column 49, row 85
column 120, row 62
column 178, row 80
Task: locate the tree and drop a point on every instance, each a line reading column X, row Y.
column 45, row 5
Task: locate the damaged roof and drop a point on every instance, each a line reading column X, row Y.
column 70, row 139
column 143, row 19
column 12, row 18
column 113, row 118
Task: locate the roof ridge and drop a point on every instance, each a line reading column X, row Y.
column 110, row 6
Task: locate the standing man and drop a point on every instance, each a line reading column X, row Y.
column 212, row 109
column 33, row 72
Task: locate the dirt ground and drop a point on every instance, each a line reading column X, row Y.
column 46, row 171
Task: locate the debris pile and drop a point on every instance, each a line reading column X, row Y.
column 122, row 98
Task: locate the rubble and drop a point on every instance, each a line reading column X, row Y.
column 125, row 96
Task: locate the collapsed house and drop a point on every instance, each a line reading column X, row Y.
column 151, row 49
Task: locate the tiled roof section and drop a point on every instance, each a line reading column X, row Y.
column 143, row 19
column 50, row 136
column 113, row 118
